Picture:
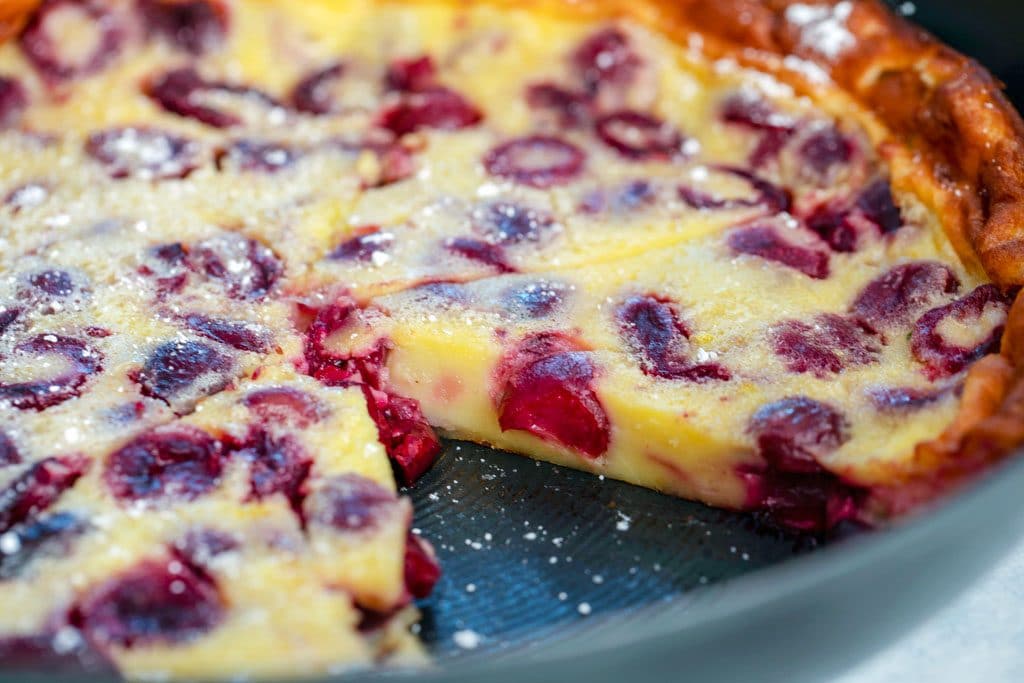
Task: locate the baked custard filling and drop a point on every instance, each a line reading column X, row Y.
column 251, row 254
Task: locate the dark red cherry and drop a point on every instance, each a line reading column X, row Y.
column 877, row 205
column 276, row 465
column 807, row 503
column 414, row 74
column 491, row 255
column 442, row 293
column 570, row 109
column 156, row 601
column 200, row 546
column 537, row 299
column 8, row 316
column 285, row 405
column 508, row 223
column 53, row 283
column 545, row 386
column 178, row 369
column 81, row 361
column 176, row 463
column 195, row 26
column 408, row 439
column 983, row 311
column 794, row 433
column 834, row 226
column 751, row 111
column 772, row 197
column 247, row 268
column 768, row 243
column 905, row 399
column 828, row 345
column 13, row 101
column 350, row 502
column 604, row 59
column 39, row 487
column 653, row 331
column 236, row 334
column 537, row 161
column 185, row 93
column 167, row 264
column 439, row 108
column 330, row 368
column 314, row 94
column 825, row 149
column 98, row 38
column 37, row 655
column 8, row 451
column 363, row 245
column 258, row 157
column 145, row 153
column 899, row 295
column 49, row 536
column 639, row 136
column 421, row 567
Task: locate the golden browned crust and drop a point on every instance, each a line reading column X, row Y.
column 941, row 120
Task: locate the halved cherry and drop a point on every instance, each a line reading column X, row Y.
column 808, row 503
column 314, row 93
column 13, row 101
column 350, row 503
column 39, row 487
column 409, row 440
column 438, row 108
column 537, row 161
column 768, row 242
column 545, row 386
column 239, row 335
column 751, row 111
column 156, row 601
column 948, row 338
column 276, row 465
column 510, row 223
column 363, row 245
column 827, row 345
column 145, row 153
column 844, row 227
column 906, row 399
column 421, row 567
column 285, row 405
column 175, row 463
column 81, row 361
column 219, row 104
column 168, row 265
column 413, row 74
column 491, row 255
column 876, row 203
column 248, row 269
column 256, row 156
column 795, row 433
column 46, row 40
column 195, row 26
column 767, row 194
column 606, row 58
column 181, row 368
column 825, row 149
column 52, row 283
column 900, row 294
column 535, row 299
column 8, row 316
column 570, row 109
column 639, row 136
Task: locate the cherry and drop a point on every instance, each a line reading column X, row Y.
column 26, row 196
column 199, row 546
column 509, row 223
column 363, row 245
column 415, row 74
column 876, row 203
column 752, row 112
column 145, row 153
column 276, row 465
column 259, row 157
column 904, row 399
column 900, row 294
column 333, row 369
column 13, row 101
column 653, row 331
column 195, row 26
column 794, row 433
column 156, row 601
column 8, row 451
column 772, row 197
column 49, row 536
column 421, row 567
column 82, row 361
column 175, row 463
column 844, row 226
column 570, row 109
column 638, row 136
column 808, row 503
column 175, row 367
column 544, row 386
column 43, row 38
column 439, row 108
column 8, row 316
column 536, row 161
column 983, row 310
column 314, row 93
column 443, row 292
column 606, row 59
column 239, row 335
column 182, row 91
column 824, row 150
column 167, row 264
column 39, row 487
column 52, row 283
column 38, row 654
column 533, row 299
column 628, row 198
column 767, row 243
column 409, row 440
column 285, row 405
column 827, row 346
column 350, row 503
column 247, row 268
column 491, row 255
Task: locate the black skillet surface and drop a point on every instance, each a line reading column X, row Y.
column 554, row 575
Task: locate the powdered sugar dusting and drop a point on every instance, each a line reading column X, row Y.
column 823, row 29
